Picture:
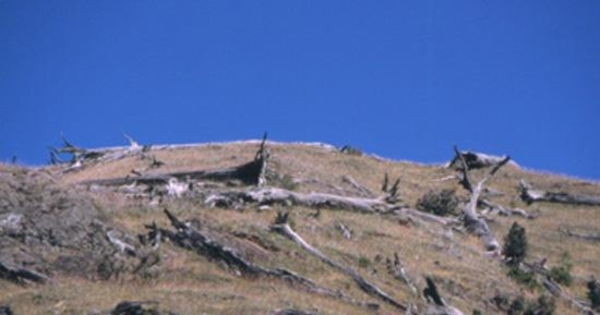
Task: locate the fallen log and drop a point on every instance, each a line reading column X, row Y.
column 281, row 226
column 21, row 275
column 251, row 173
column 203, row 243
column 531, row 195
column 473, row 222
column 474, row 160
column 555, row 289
column 587, row 237
column 271, row 196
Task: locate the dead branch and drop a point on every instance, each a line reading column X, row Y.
column 281, row 226
column 505, row 211
column 554, row 288
column 587, row 237
column 473, row 222
column 270, row 196
column 396, row 268
column 530, row 195
column 21, row 275
column 439, row 305
column 362, row 190
column 205, row 244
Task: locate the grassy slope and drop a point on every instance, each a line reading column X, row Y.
column 190, row 284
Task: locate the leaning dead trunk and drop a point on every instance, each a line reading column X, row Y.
column 282, row 227
column 205, row 244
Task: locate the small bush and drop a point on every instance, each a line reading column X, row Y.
column 363, row 262
column 562, row 274
column 515, row 245
column 594, row 293
column 477, row 312
column 440, row 202
column 543, row 306
column 287, row 182
column 517, row 306
column 526, row 278
column 347, row 149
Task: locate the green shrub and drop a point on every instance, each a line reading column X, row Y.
column 363, row 262
column 594, row 293
column 562, row 274
column 515, row 245
column 517, row 306
column 526, row 278
column 440, row 202
column 543, row 306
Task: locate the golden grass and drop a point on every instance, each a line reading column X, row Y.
column 190, row 284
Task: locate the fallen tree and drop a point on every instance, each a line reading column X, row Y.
column 21, row 275
column 531, row 195
column 474, row 223
column 281, row 226
column 206, row 244
column 251, row 173
column 474, row 160
column 271, row 196
column 587, row 237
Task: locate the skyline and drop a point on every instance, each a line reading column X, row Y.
column 402, row 80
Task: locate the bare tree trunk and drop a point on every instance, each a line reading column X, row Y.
column 473, row 222
column 270, row 196
column 283, row 228
column 204, row 244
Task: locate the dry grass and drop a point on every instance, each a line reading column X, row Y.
column 190, row 284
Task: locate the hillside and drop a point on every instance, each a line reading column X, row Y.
column 85, row 230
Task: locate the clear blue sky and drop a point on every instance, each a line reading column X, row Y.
column 402, row 79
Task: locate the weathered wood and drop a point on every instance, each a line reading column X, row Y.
column 203, row 243
column 531, row 195
column 473, row 222
column 362, row 190
column 281, row 226
column 438, row 304
column 270, row 196
column 587, row 237
column 505, row 211
column 555, row 289
column 397, row 270
column 474, row 160
column 21, row 275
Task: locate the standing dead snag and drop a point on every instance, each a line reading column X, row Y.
column 530, row 195
column 473, row 222
column 439, row 305
column 281, row 226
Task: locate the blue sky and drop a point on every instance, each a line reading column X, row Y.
column 402, row 79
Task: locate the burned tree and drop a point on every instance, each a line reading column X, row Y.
column 473, row 222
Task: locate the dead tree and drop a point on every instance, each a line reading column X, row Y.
column 281, row 226
column 587, row 237
column 271, row 196
column 21, row 275
column 530, row 195
column 474, row 160
column 473, row 222
column 206, row 244
column 438, row 304
column 251, row 173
